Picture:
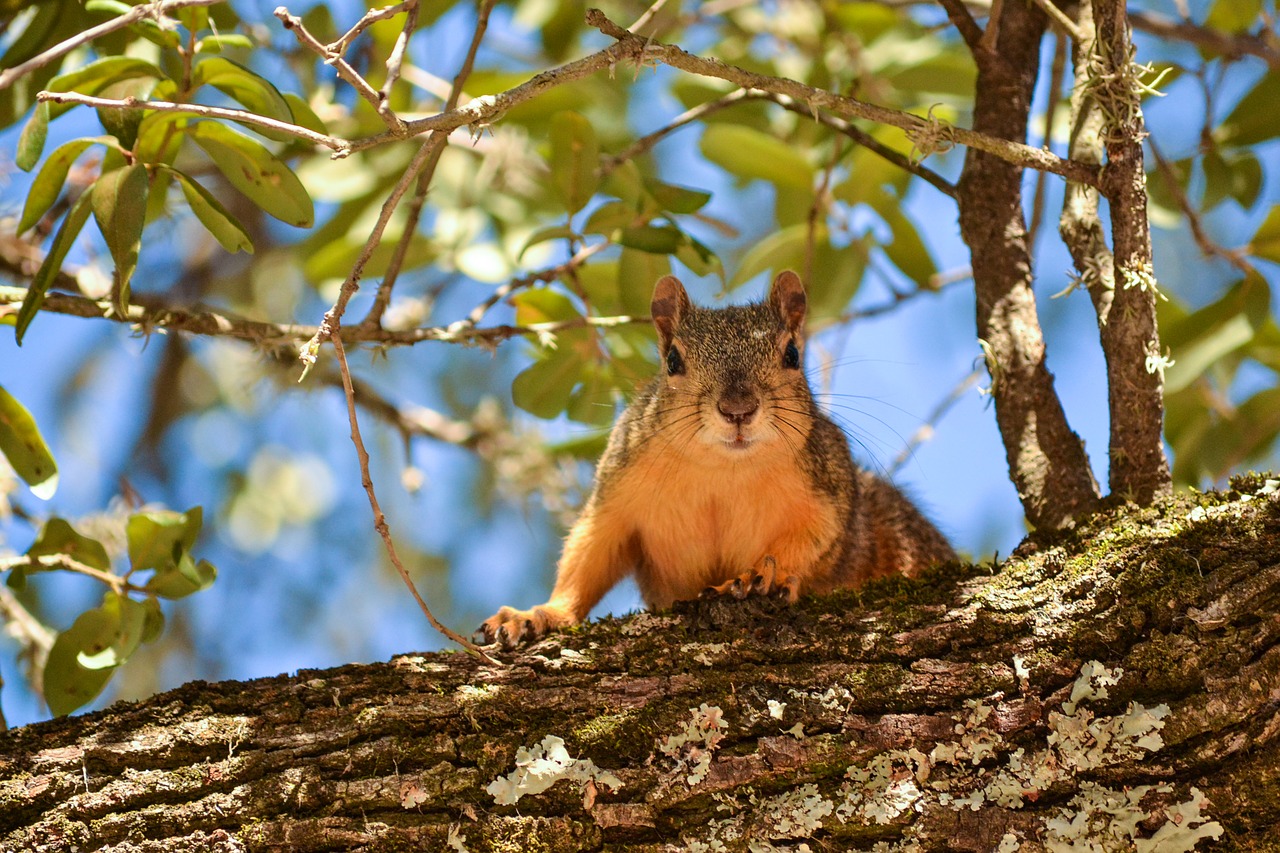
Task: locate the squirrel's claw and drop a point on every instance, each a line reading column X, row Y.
column 513, row 628
column 764, row 581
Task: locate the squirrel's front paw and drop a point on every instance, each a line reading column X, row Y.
column 511, row 627
column 763, row 581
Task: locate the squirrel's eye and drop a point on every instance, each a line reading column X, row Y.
column 675, row 364
column 791, row 356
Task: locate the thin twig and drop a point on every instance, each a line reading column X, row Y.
column 1208, row 246
column 991, row 35
column 436, row 142
column 340, row 146
column 1229, row 45
column 929, row 135
column 370, row 18
column 379, row 519
column 396, row 59
column 646, row 142
column 1059, row 17
column 65, row 561
column 867, row 141
column 352, row 77
column 506, row 289
column 138, row 13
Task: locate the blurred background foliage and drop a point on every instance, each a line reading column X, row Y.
column 563, row 208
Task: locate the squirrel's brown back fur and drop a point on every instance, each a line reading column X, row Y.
column 724, row 473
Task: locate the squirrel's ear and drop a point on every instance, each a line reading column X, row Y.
column 670, row 304
column 788, row 299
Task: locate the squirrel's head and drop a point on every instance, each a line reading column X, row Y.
column 734, row 376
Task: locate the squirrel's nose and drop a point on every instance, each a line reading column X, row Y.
column 738, row 407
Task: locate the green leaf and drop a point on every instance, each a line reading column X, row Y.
column 24, row 447
column 182, row 578
column 543, row 389
column 91, row 79
column 157, row 539
column 751, row 154
column 52, row 265
column 638, row 272
column 654, row 239
column 123, row 124
column 48, row 182
column 254, row 93
column 575, row 156
column 609, row 217
column 1233, row 16
column 219, row 42
column 1246, row 179
column 219, row 221
column 303, row 115
column 119, row 200
column 120, row 633
column 784, row 249
column 698, row 258
column 676, row 199
column 1266, row 240
column 543, row 235
column 1254, row 119
column 83, row 656
column 31, row 140
column 256, row 172
column 593, row 401
column 543, row 305
column 57, row 536
column 153, row 623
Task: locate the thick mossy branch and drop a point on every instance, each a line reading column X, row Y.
column 1117, row 681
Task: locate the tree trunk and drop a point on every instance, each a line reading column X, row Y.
column 1047, row 462
column 1115, row 687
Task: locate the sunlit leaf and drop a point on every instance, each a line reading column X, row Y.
column 655, row 239
column 676, row 199
column 908, row 251
column 219, row 42
column 24, row 447
column 256, row 172
column 543, row 388
column 543, row 235
column 219, row 221
column 609, row 217
column 784, row 249
column 183, row 577
column 1255, row 118
column 158, row 538
column 57, row 536
column 91, row 79
column 1266, row 240
column 253, row 92
column 543, row 305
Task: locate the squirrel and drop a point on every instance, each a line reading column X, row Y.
column 724, row 477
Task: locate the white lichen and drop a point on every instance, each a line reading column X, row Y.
column 694, row 746
column 540, row 767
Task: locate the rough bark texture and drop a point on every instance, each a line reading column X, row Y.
column 1047, row 462
column 1139, row 468
column 948, row 713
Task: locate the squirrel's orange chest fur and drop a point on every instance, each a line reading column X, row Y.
column 716, row 516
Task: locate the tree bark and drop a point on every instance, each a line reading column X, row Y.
column 1047, row 462
column 1117, row 686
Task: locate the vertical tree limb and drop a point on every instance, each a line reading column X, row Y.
column 1130, row 338
column 1047, row 462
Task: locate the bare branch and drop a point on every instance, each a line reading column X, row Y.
column 138, row 13
column 1229, row 45
column 370, row 18
column 396, row 59
column 646, row 142
column 379, row 519
column 341, row 147
column 352, row 77
column 867, row 141
column 1056, row 73
column 925, row 432
column 963, row 21
column 929, row 135
column 1059, row 17
column 1237, row 257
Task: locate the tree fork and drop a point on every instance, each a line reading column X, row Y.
column 1047, row 462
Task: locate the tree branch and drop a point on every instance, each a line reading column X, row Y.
column 1229, row 45
column 928, row 135
column 1047, row 462
column 1130, row 339
column 138, row 13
